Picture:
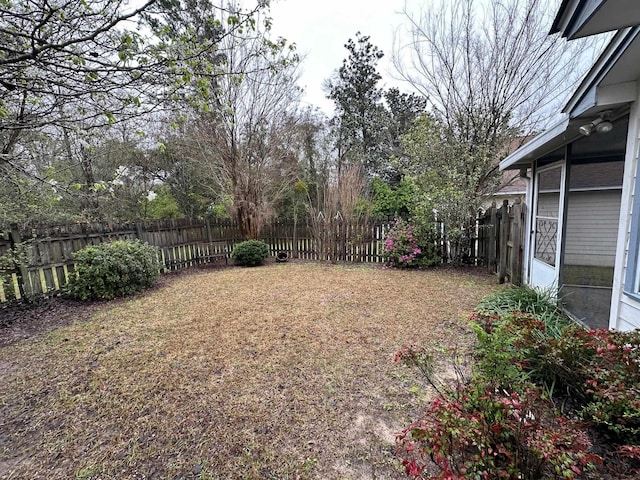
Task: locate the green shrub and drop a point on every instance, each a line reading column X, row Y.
column 483, row 430
column 540, row 386
column 388, row 201
column 250, row 253
column 600, row 369
column 113, row 269
column 595, row 372
column 542, row 304
column 504, row 348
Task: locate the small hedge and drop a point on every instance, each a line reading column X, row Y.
column 113, row 269
column 250, row 253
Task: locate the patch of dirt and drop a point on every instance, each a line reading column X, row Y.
column 24, row 320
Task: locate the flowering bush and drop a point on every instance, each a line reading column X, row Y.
column 405, row 248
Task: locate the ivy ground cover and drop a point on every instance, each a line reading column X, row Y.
column 278, row 372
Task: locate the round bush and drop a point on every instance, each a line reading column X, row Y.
column 250, row 253
column 113, row 269
column 408, row 246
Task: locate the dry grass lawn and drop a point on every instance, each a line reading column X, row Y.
column 277, row 372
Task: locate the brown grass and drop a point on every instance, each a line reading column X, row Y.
column 278, row 372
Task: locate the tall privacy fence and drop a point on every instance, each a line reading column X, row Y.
column 38, row 261
column 500, row 240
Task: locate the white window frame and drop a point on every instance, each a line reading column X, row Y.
column 632, row 278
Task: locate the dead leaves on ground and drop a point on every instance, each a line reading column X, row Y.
column 279, row 372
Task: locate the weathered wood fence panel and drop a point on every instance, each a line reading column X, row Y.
column 44, row 256
column 500, row 240
column 38, row 261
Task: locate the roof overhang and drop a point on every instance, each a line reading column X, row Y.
column 610, row 85
column 612, row 81
column 548, row 141
column 582, row 18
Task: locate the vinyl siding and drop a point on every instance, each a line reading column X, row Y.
column 592, row 228
column 629, row 316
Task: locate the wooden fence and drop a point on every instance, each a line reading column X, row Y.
column 500, row 240
column 44, row 256
column 38, row 261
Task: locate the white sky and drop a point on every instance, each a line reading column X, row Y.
column 321, row 28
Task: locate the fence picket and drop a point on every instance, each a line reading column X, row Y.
column 49, row 253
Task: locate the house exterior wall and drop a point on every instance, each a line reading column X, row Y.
column 625, row 311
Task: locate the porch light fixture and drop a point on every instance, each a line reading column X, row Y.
column 586, row 129
column 604, row 127
column 600, row 125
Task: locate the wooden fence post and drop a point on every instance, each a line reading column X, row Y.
column 295, row 253
column 24, row 282
column 516, row 239
column 504, row 239
column 139, row 231
column 207, row 225
column 481, row 259
column 492, row 238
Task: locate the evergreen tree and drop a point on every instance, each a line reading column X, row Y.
column 360, row 113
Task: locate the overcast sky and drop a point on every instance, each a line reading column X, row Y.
column 321, row 28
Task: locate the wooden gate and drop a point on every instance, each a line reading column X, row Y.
column 500, row 241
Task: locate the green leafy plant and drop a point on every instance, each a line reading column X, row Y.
column 595, row 372
column 113, row 269
column 540, row 384
column 503, row 350
column 488, row 433
column 540, row 303
column 250, row 253
column 388, row 201
column 163, row 205
column 601, row 370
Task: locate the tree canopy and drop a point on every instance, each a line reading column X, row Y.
column 122, row 110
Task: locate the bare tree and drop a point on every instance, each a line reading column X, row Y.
column 335, row 208
column 242, row 141
column 487, row 68
column 491, row 75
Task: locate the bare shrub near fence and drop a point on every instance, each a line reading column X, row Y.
column 337, row 207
